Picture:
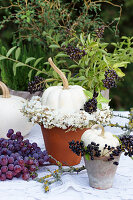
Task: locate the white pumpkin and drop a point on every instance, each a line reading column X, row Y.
column 66, row 98
column 10, row 115
column 101, row 138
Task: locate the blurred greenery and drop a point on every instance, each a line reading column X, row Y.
column 122, row 96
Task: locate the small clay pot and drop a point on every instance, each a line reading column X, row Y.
column 57, row 144
column 101, row 172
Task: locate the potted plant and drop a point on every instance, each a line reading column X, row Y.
column 101, row 151
column 64, row 113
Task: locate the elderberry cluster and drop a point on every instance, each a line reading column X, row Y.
column 91, row 105
column 92, row 150
column 127, row 144
column 74, row 52
column 37, row 84
column 100, row 32
column 110, row 79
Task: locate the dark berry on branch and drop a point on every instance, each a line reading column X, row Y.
column 38, row 84
column 115, row 163
column 91, row 105
column 126, row 146
column 110, row 79
column 100, row 31
column 74, row 52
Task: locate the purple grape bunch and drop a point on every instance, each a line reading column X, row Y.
column 19, row 157
column 110, row 79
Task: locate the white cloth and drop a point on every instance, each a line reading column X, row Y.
column 73, row 186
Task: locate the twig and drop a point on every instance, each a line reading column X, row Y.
column 55, row 175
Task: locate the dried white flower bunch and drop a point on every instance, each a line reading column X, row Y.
column 50, row 118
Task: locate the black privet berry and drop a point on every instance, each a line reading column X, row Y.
column 37, row 84
column 115, row 163
column 100, row 31
column 110, row 79
column 74, row 52
column 126, row 146
column 91, row 105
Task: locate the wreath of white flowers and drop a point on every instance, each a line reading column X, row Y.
column 50, row 118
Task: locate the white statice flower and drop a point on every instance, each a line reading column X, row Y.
column 104, row 115
column 38, row 113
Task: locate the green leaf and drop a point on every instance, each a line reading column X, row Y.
column 122, row 64
column 89, row 38
column 44, row 33
column 88, row 94
column 55, row 74
column 71, row 39
column 87, row 156
column 62, row 61
column 46, row 63
column 82, row 38
column 81, row 78
column 23, row 16
column 65, row 70
column 124, row 37
column 101, row 99
column 14, row 69
column 28, row 20
column 99, row 106
column 61, row 55
column 54, row 46
column 50, row 80
column 41, row 72
column 114, row 44
column 73, row 66
column 29, row 59
column 37, row 61
column 2, row 57
column 102, row 76
column 17, row 53
column 105, row 60
column 10, row 51
column 20, row 64
column 30, row 74
column 119, row 72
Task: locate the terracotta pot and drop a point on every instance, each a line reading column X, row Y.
column 57, row 144
column 101, row 172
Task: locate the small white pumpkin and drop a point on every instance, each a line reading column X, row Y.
column 66, row 98
column 100, row 137
column 10, row 115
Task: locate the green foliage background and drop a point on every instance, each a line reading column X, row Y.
column 122, row 96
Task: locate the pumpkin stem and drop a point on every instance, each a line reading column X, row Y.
column 99, row 126
column 5, row 90
column 61, row 74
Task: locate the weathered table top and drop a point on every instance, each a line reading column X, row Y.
column 72, row 187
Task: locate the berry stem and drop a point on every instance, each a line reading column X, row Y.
column 99, row 126
column 61, row 74
column 5, row 90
